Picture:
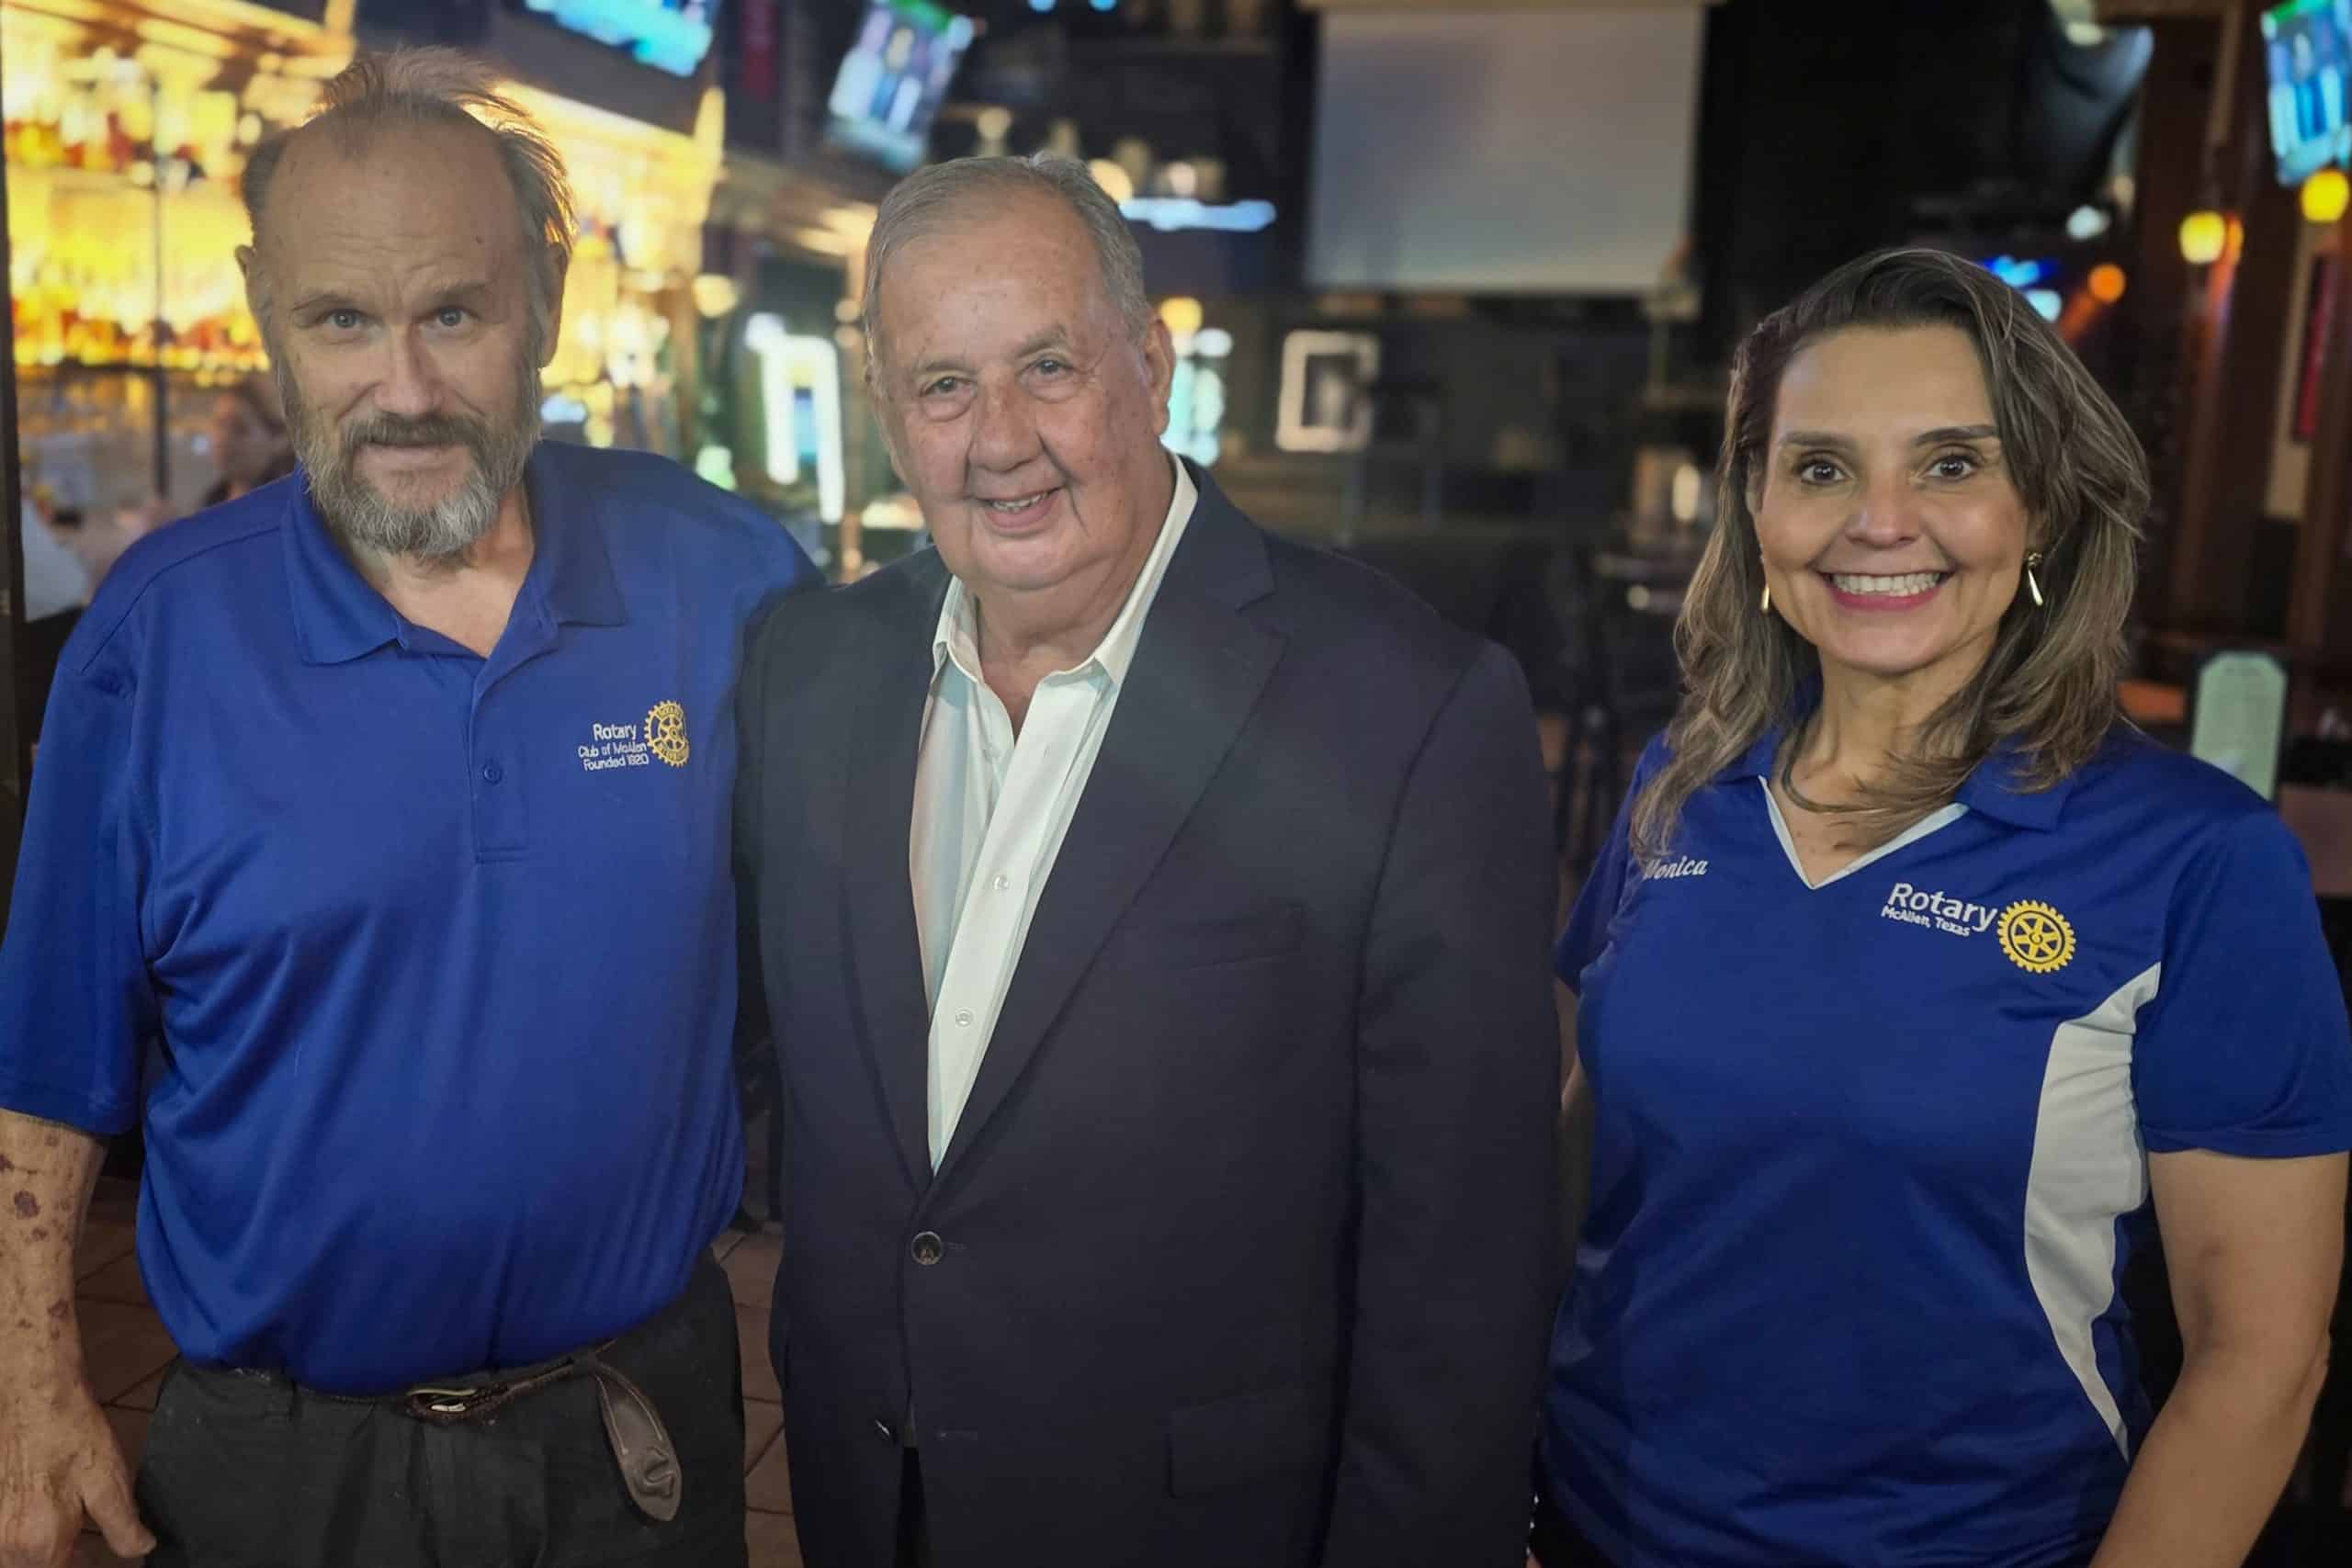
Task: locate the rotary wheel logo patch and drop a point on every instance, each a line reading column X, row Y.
column 2036, row 938
column 665, row 732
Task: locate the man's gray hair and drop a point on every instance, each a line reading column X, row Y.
column 442, row 86
column 932, row 198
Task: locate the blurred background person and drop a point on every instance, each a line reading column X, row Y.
column 1910, row 974
column 249, row 443
column 57, row 587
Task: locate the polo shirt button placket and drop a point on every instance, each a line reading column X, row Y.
column 500, row 829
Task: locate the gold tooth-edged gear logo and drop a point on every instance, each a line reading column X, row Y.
column 2036, row 938
column 665, row 732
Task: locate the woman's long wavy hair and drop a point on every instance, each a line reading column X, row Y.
column 2048, row 688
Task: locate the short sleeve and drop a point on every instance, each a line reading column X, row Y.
column 1604, row 887
column 77, row 1008
column 2245, row 1049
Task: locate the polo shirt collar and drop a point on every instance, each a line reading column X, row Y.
column 1992, row 789
column 339, row 616
column 572, row 525
column 1755, row 762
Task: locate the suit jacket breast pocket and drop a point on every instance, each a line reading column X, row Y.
column 1265, row 931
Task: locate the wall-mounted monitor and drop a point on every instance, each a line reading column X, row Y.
column 894, row 79
column 2309, row 43
column 669, row 35
column 1560, row 162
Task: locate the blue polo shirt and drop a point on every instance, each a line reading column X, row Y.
column 1871, row 1156
column 421, row 964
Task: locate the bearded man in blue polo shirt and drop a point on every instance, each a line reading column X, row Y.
column 376, row 865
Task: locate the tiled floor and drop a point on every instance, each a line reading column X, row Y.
column 126, row 1352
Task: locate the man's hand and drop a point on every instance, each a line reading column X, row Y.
column 59, row 1461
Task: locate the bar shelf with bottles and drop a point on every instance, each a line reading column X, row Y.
column 624, row 364
column 124, row 220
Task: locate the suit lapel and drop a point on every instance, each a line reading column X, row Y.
column 885, row 950
column 1196, row 676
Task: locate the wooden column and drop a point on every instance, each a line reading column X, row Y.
column 2322, row 578
column 2158, row 348
column 2238, row 338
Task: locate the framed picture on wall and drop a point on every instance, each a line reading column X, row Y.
column 1325, row 375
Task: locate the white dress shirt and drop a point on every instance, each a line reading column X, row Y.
column 990, row 812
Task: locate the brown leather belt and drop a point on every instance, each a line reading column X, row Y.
column 641, row 1443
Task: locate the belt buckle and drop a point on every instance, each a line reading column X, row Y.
column 442, row 1401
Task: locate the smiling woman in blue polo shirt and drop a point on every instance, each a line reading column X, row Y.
column 1910, row 977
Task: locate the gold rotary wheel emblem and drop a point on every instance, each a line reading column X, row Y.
column 665, row 732
column 2036, row 938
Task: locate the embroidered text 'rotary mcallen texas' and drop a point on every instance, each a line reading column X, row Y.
column 1922, row 907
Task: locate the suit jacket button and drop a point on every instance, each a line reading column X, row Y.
column 928, row 1248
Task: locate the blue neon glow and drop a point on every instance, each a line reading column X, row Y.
column 1169, row 214
column 2017, row 274
column 665, row 34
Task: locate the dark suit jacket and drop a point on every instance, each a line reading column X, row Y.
column 1244, row 1250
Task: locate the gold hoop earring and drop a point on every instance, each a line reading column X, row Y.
column 1767, row 605
column 2032, row 559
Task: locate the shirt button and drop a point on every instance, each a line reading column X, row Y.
column 928, row 1248
column 964, row 1019
column 491, row 773
column 1002, row 883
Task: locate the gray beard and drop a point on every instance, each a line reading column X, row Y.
column 370, row 524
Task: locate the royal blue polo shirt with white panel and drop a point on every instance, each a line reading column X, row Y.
column 420, row 964
column 1870, row 1155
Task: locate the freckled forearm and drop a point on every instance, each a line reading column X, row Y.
column 47, row 1173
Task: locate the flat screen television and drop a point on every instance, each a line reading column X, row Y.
column 669, row 35
column 2310, row 47
column 894, row 79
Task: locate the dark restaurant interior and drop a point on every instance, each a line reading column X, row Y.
column 1453, row 287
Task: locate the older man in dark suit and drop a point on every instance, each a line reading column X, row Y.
column 1152, row 917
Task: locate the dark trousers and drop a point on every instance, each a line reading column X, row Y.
column 247, row 1470
column 1554, row 1543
